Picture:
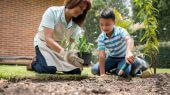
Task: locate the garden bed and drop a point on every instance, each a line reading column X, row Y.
column 155, row 85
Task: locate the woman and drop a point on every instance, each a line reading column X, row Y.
column 58, row 25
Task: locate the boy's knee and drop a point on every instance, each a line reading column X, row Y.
column 94, row 70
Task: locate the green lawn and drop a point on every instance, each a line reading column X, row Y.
column 14, row 71
column 19, row 72
column 163, row 70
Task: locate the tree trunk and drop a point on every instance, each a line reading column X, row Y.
column 154, row 64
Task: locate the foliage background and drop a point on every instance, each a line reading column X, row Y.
column 125, row 20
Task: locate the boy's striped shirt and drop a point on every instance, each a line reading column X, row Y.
column 116, row 44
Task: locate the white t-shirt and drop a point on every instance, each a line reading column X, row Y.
column 54, row 18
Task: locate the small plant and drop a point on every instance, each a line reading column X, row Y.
column 84, row 46
column 85, row 50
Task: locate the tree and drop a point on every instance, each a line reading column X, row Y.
column 147, row 14
column 163, row 19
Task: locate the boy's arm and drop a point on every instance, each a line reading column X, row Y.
column 129, row 50
column 102, row 62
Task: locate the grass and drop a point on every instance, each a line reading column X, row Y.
column 162, row 70
column 12, row 72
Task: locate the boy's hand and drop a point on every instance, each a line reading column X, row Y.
column 129, row 57
column 102, row 62
column 102, row 78
column 103, row 75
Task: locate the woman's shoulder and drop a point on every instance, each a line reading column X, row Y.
column 55, row 9
column 55, row 12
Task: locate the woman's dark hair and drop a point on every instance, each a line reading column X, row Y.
column 107, row 13
column 73, row 3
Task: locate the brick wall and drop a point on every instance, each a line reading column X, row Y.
column 19, row 21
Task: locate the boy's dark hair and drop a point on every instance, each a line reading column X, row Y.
column 107, row 13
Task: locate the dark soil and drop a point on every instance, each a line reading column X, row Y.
column 155, row 85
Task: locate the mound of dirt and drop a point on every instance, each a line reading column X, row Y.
column 155, row 85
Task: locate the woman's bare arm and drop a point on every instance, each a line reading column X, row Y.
column 50, row 41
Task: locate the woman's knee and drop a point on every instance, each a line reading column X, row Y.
column 51, row 70
column 44, row 69
column 75, row 71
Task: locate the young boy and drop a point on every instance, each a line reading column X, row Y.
column 118, row 43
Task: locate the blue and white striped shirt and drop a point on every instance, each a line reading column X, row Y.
column 116, row 44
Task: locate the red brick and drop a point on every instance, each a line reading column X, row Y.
column 19, row 21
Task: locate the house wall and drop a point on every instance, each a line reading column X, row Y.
column 19, row 21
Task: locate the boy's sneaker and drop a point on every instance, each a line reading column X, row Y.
column 145, row 74
column 140, row 65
